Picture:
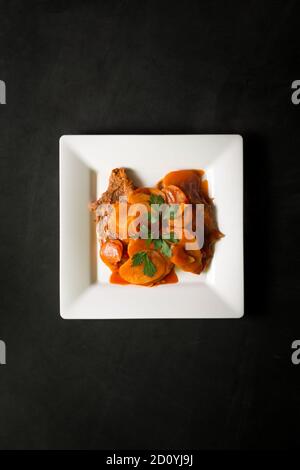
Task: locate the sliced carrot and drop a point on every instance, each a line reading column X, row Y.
column 174, row 195
column 111, row 251
column 136, row 245
column 187, row 260
column 136, row 275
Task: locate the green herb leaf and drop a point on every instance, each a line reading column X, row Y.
column 149, row 267
column 157, row 243
column 172, row 238
column 166, row 249
column 155, row 199
column 141, row 257
column 138, row 258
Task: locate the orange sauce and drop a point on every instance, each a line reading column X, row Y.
column 170, row 278
column 115, row 278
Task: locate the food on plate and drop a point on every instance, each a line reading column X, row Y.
column 145, row 234
column 119, row 185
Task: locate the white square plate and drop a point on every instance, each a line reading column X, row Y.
column 85, row 165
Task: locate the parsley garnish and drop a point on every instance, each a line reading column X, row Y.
column 155, row 199
column 172, row 238
column 142, row 257
column 149, row 267
column 138, row 258
column 166, row 249
column 159, row 244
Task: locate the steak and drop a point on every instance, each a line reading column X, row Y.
column 119, row 185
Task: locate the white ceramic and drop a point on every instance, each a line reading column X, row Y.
column 85, row 165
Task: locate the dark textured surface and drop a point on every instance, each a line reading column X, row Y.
column 148, row 67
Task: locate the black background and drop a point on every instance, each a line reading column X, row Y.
column 148, row 67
